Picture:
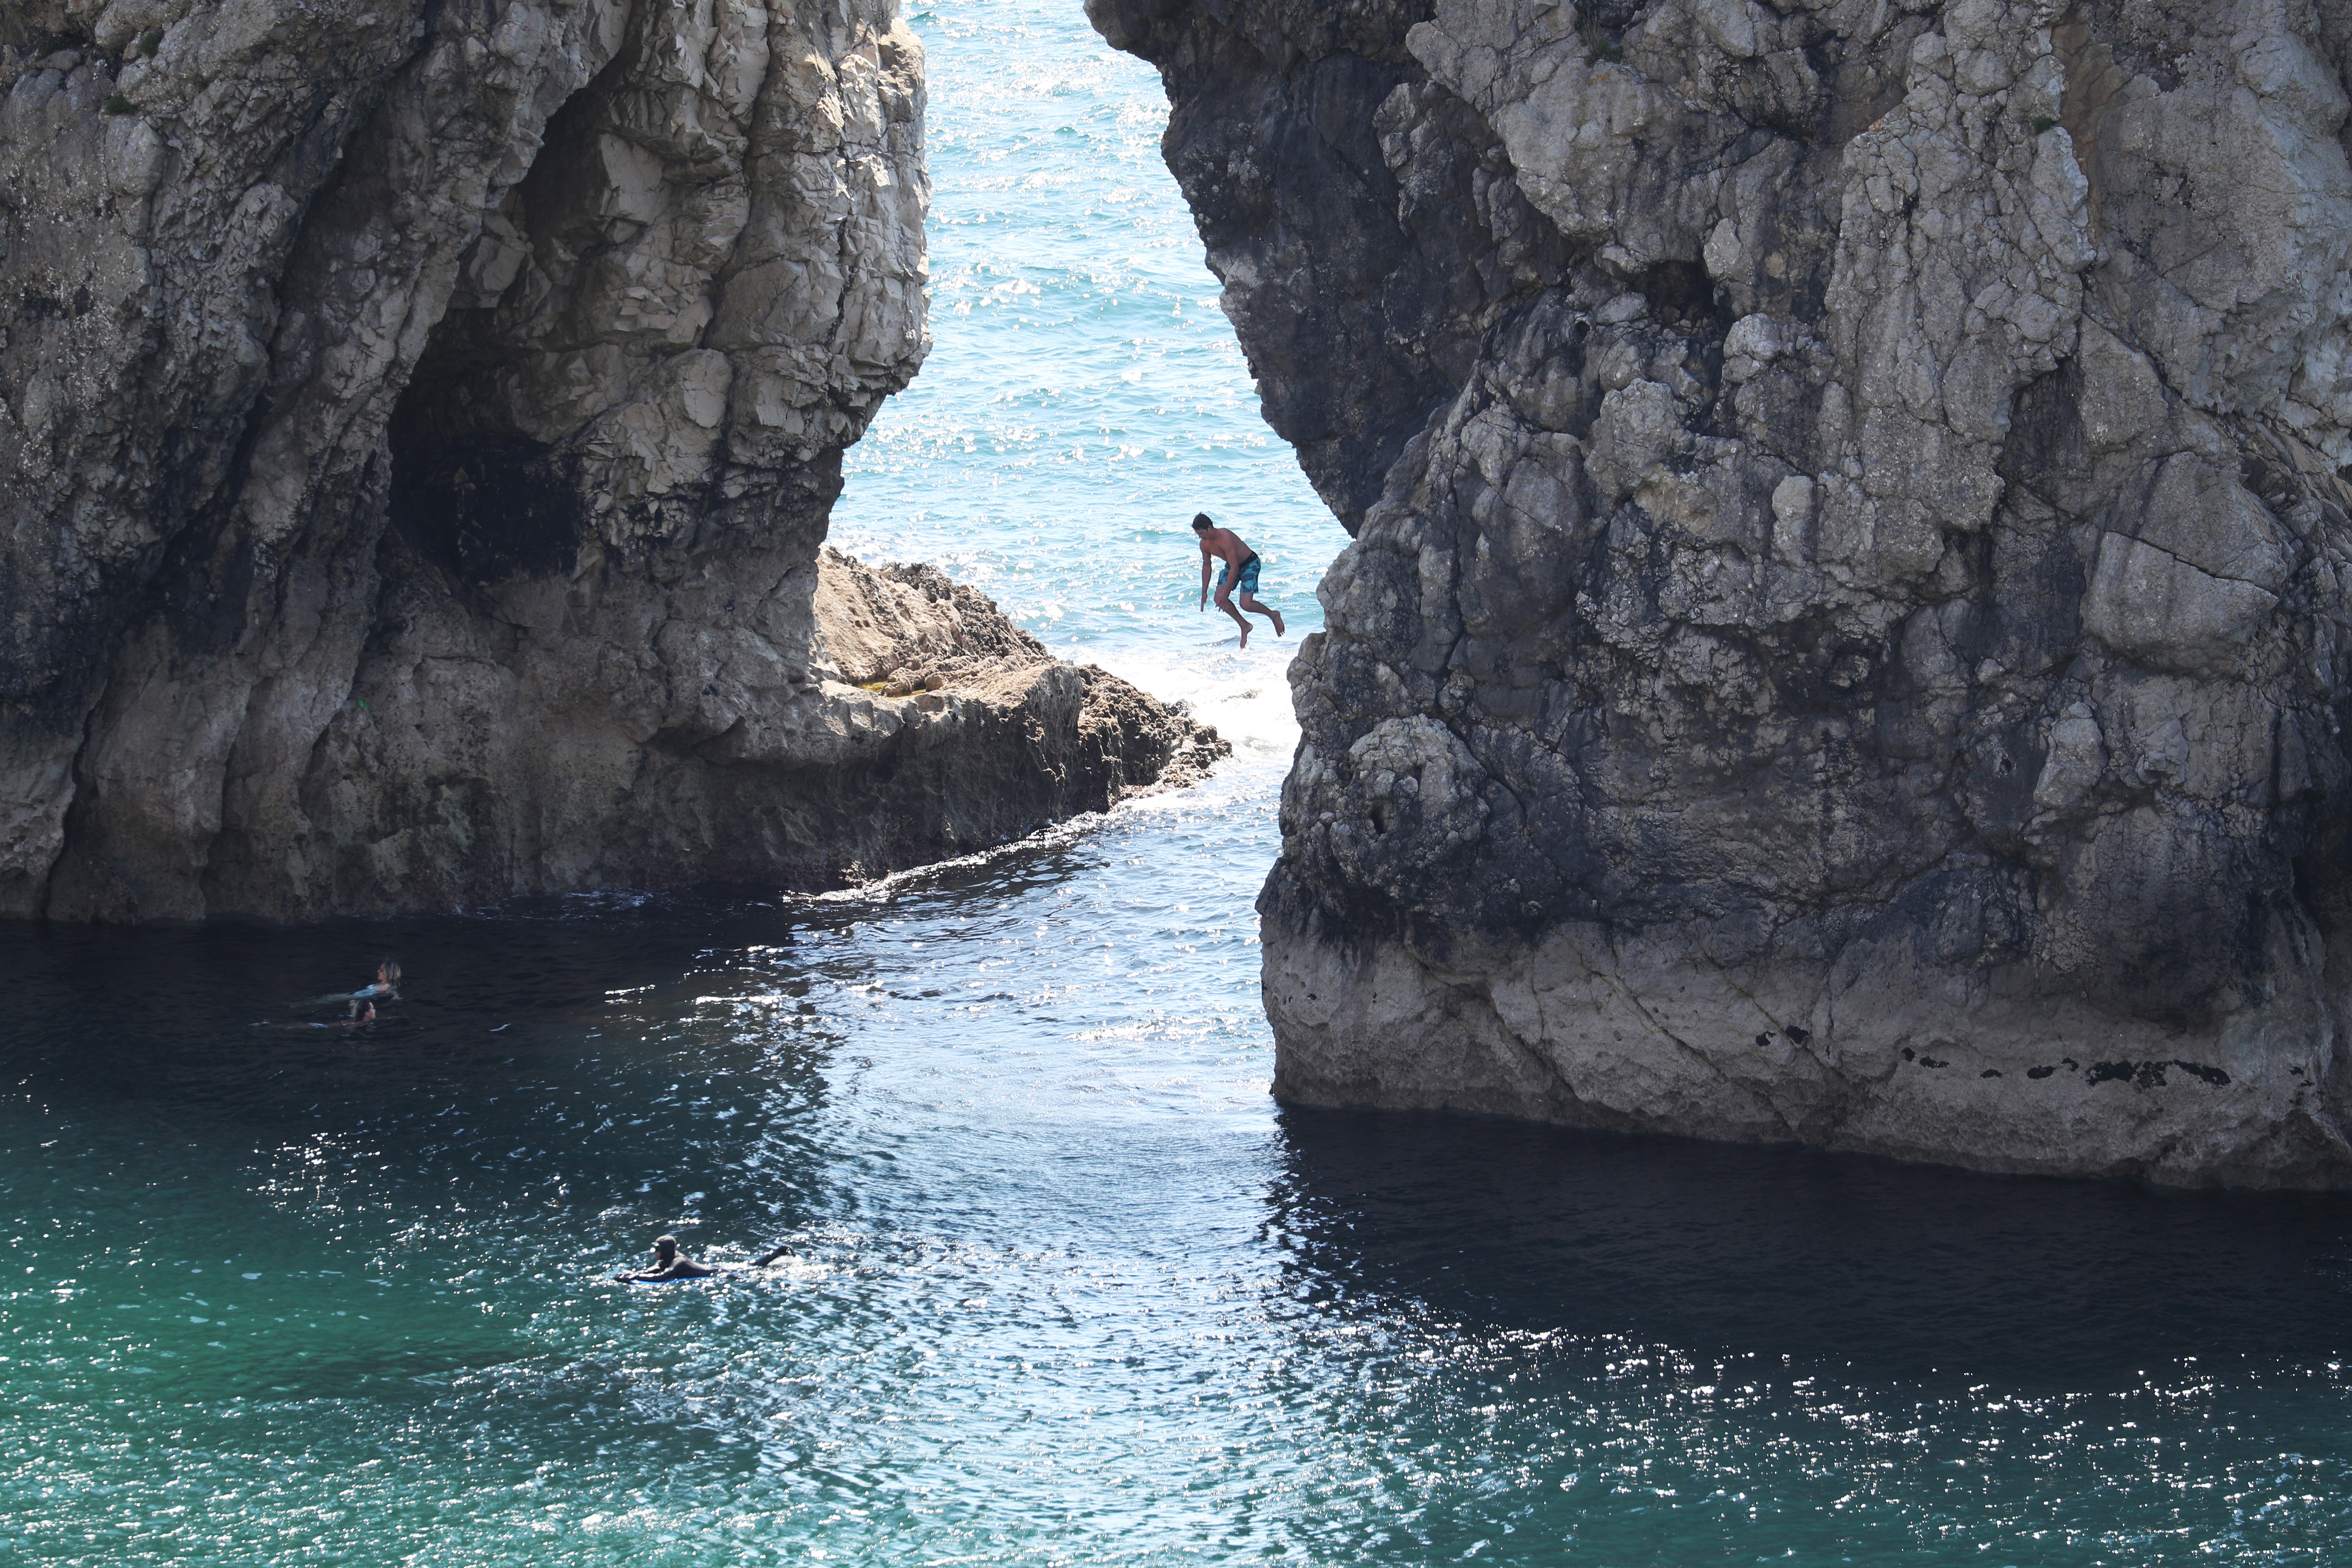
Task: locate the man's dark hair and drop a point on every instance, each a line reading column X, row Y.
column 1201, row 520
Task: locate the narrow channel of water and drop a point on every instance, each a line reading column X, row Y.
column 1071, row 1289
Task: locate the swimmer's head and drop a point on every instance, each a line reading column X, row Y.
column 1201, row 523
column 665, row 1248
column 389, row 972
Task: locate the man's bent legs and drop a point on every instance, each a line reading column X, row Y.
column 1249, row 603
column 1225, row 603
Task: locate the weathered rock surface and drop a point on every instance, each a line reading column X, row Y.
column 1844, row 639
column 417, row 427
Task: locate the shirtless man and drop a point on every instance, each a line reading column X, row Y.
column 1239, row 572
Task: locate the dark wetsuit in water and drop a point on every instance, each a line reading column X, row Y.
column 679, row 1267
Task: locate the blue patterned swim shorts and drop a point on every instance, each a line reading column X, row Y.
column 1248, row 584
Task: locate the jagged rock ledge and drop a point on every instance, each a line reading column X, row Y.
column 418, row 424
column 939, row 727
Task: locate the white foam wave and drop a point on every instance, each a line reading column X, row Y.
column 1246, row 693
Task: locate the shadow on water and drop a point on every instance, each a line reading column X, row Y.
column 225, row 1019
column 511, row 964
column 1866, row 1270
column 647, row 1055
column 180, row 1012
column 580, row 1054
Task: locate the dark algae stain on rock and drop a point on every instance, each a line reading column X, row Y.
column 417, row 435
column 1847, row 523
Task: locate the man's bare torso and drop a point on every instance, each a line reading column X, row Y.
column 1225, row 545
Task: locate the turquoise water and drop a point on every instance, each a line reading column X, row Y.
column 1070, row 1289
column 1084, row 395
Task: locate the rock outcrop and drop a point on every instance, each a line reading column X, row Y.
column 1845, row 638
column 418, row 422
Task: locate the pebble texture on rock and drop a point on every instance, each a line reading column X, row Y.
column 419, row 423
column 1844, row 637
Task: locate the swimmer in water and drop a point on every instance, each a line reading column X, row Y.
column 386, row 987
column 671, row 1264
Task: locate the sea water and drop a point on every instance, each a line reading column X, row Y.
column 1068, row 1288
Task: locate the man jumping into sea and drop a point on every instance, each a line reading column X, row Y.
column 1239, row 572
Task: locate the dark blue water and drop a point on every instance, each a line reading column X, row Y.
column 1069, row 1289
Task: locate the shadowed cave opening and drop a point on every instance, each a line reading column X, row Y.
column 473, row 491
column 481, row 505
column 1681, row 294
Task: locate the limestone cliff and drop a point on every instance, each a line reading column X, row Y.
column 418, row 421
column 1844, row 636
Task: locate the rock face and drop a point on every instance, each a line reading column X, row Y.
column 1844, row 641
column 418, row 422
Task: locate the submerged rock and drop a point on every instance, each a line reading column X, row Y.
column 419, row 423
column 1844, row 641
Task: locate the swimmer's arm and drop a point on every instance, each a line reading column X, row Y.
column 333, row 998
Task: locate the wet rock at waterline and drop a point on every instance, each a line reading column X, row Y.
column 417, row 428
column 1844, row 636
